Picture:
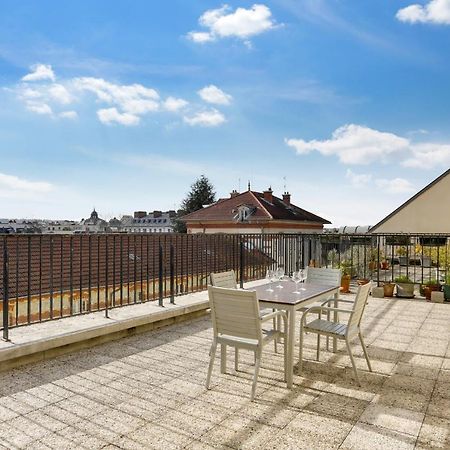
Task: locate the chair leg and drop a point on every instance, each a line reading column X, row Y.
column 365, row 351
column 255, row 376
column 300, row 350
column 212, row 353
column 236, row 359
column 285, row 347
column 353, row 362
column 223, row 358
column 318, row 346
column 275, row 341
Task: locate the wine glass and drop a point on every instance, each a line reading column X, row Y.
column 270, row 278
column 280, row 275
column 296, row 279
column 302, row 275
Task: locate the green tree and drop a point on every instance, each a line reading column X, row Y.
column 201, row 193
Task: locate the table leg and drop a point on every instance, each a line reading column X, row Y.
column 336, row 318
column 290, row 343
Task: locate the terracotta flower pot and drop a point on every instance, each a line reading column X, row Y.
column 362, row 281
column 389, row 289
column 384, row 265
column 345, row 283
column 427, row 290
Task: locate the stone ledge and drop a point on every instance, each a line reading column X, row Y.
column 49, row 341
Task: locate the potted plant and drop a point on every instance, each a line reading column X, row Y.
column 373, row 259
column 384, row 264
column 388, row 289
column 429, row 287
column 405, row 287
column 346, row 268
column 446, row 288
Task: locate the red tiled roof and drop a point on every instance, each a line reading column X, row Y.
column 226, row 209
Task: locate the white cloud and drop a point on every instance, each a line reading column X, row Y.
column 200, row 36
column 28, row 93
column 358, row 180
column 395, row 185
column 435, row 11
column 173, row 104
column 212, row 94
column 242, row 23
column 354, row 144
column 39, row 108
column 428, row 155
column 210, row 118
column 111, row 115
column 116, row 103
column 11, row 182
column 40, row 72
column 132, row 98
column 60, row 94
column 68, row 115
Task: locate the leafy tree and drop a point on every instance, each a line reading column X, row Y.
column 201, row 193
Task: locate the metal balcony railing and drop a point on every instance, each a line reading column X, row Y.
column 46, row 277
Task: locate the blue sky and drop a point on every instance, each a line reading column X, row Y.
column 122, row 105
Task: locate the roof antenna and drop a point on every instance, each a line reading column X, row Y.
column 239, row 184
column 284, row 178
column 249, row 185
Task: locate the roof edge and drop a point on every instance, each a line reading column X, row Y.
column 414, row 197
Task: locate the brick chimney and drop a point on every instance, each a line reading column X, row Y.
column 234, row 193
column 139, row 214
column 157, row 214
column 287, row 198
column 268, row 195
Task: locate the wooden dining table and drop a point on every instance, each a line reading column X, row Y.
column 286, row 299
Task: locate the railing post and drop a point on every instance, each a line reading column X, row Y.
column 172, row 274
column 107, row 278
column 5, row 291
column 160, row 275
column 241, row 263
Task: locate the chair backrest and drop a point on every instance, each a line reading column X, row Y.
column 235, row 313
column 358, row 309
column 224, row 279
column 324, row 276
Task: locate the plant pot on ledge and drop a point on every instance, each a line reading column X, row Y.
column 405, row 287
column 389, row 289
column 345, row 284
column 430, row 287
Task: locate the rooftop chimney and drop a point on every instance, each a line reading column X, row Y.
column 234, row 193
column 139, row 214
column 268, row 195
column 287, row 198
column 157, row 214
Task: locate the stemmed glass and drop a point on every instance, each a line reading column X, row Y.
column 270, row 276
column 296, row 278
column 280, row 275
column 302, row 275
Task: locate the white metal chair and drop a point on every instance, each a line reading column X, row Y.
column 323, row 276
column 237, row 322
column 338, row 330
column 228, row 280
column 224, row 279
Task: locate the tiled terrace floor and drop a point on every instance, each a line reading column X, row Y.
column 147, row 391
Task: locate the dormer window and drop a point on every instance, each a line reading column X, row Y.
column 243, row 213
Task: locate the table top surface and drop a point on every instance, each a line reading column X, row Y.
column 286, row 295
